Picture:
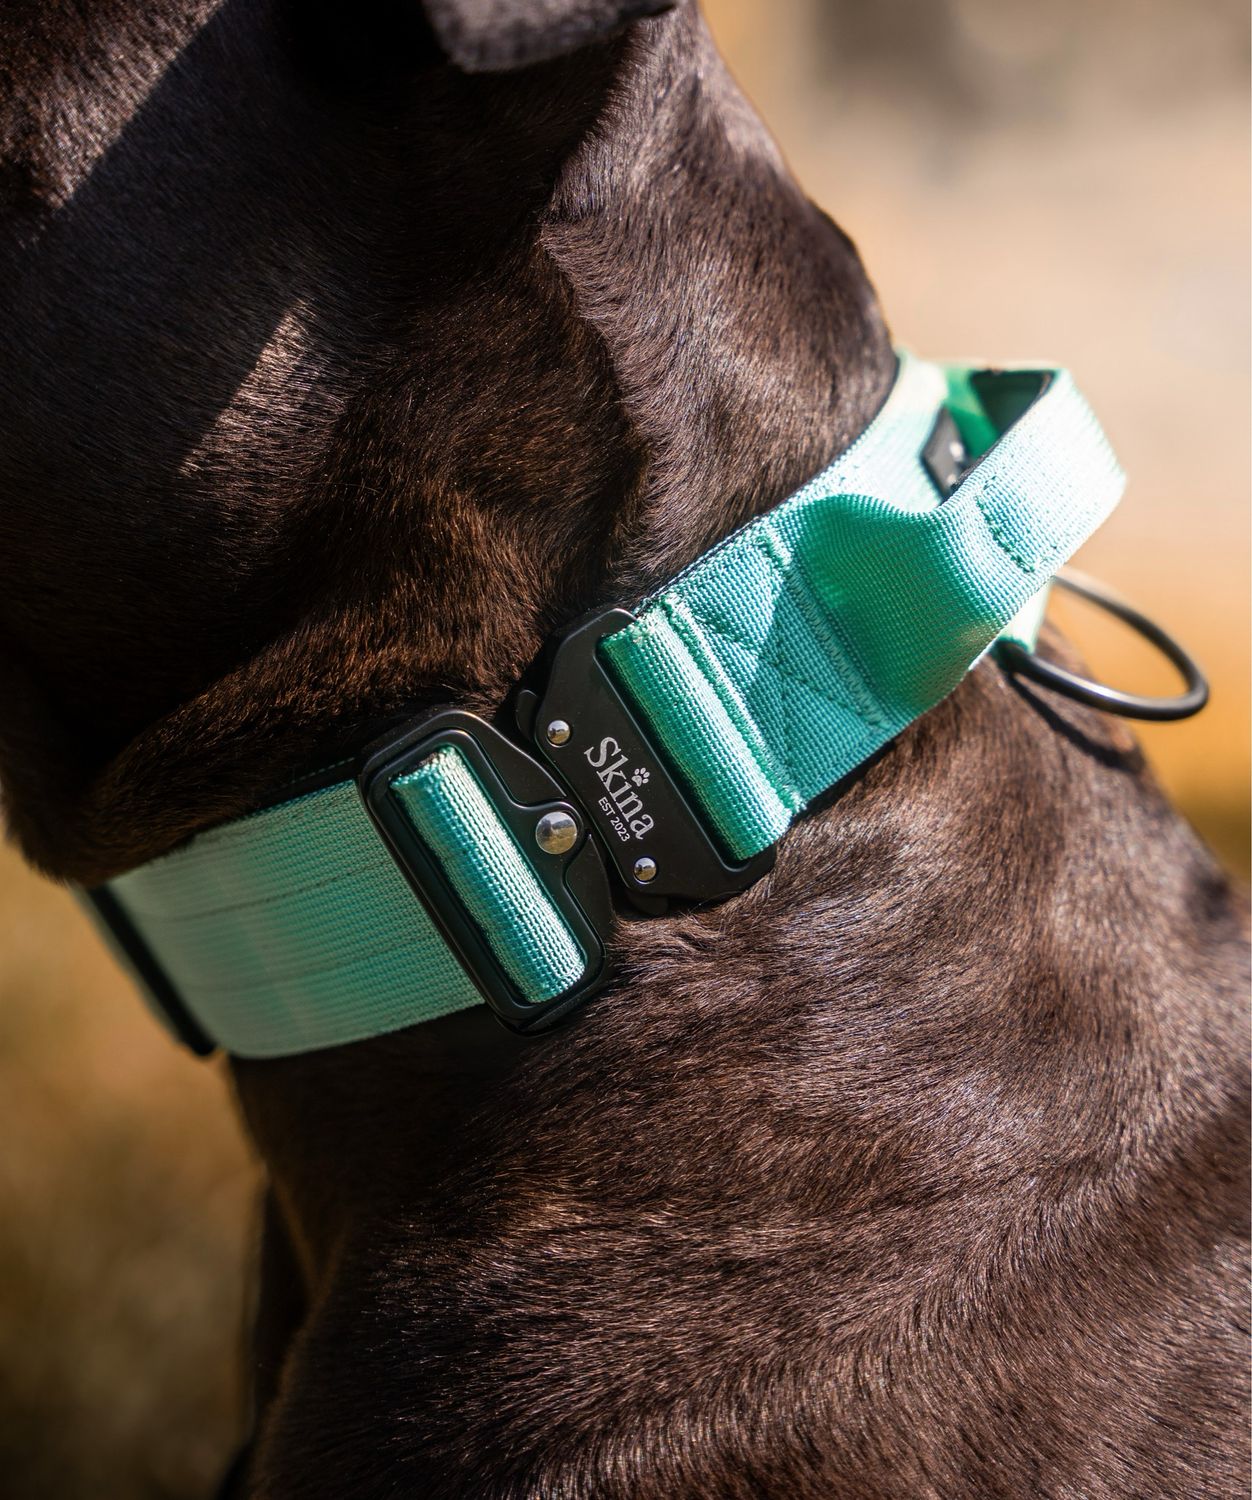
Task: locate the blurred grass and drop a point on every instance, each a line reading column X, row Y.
column 1066, row 181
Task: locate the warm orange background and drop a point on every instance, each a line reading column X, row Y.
column 1064, row 181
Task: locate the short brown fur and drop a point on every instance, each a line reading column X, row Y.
column 336, row 377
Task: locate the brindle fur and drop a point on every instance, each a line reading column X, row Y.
column 335, row 376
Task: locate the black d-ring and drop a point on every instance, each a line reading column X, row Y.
column 1096, row 694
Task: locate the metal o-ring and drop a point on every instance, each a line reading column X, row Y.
column 1095, row 694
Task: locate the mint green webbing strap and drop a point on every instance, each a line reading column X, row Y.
column 768, row 671
column 784, row 658
column 488, row 871
column 293, row 929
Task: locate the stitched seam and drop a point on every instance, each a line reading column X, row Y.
column 720, row 628
column 979, row 498
column 787, row 687
column 785, row 704
column 832, row 645
column 837, row 644
column 1061, row 545
column 849, row 704
column 774, row 776
column 830, row 637
column 784, row 678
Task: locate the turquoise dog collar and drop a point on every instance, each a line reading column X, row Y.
column 668, row 750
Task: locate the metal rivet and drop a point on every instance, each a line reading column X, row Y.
column 645, row 870
column 556, row 832
column 559, row 732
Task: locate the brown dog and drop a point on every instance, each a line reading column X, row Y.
column 349, row 351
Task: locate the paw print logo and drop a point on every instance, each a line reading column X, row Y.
column 640, row 777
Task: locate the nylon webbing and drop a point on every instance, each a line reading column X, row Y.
column 489, row 872
column 293, row 929
column 787, row 656
column 769, row 670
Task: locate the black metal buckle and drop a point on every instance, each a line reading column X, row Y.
column 587, row 732
column 603, row 770
column 521, row 792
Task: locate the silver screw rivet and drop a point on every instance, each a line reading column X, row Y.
column 645, row 870
column 556, row 832
column 559, row 732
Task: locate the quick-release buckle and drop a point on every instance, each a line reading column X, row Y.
column 586, row 730
column 592, row 760
column 522, row 794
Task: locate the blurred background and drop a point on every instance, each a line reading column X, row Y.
column 1065, row 180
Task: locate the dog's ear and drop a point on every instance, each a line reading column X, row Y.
column 487, row 36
